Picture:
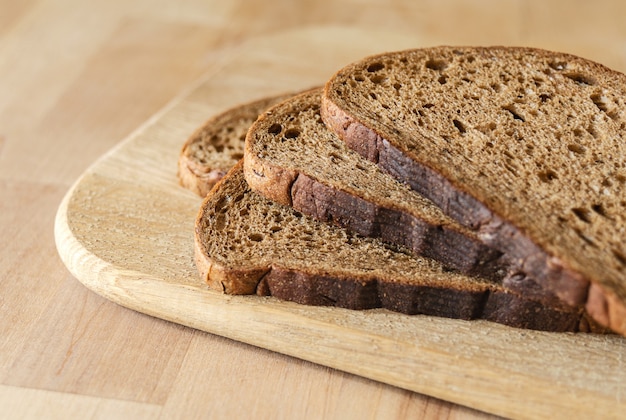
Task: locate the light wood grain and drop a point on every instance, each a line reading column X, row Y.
column 125, row 230
column 37, row 403
column 75, row 78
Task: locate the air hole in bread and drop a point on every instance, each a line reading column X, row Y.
column 496, row 87
column 359, row 78
column 275, row 129
column 459, row 126
column 220, row 221
column 397, row 86
column 558, row 65
column 221, row 204
column 516, row 116
column 443, row 80
column 591, row 129
column 544, row 97
column 613, row 114
column 585, row 238
column 292, row 133
column 428, row 106
column 375, row 67
column 255, row 237
column 580, row 78
column 582, row 214
column 600, row 101
column 599, row 209
column 236, row 156
column 334, row 157
column 275, row 228
column 547, row 176
column 377, row 79
column 579, row 149
column 437, row 65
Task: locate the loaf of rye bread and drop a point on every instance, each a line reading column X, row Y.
column 248, row 244
column 217, row 145
column 524, row 146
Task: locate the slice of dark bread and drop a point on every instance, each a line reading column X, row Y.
column 247, row 244
column 291, row 157
column 217, row 145
column 525, row 146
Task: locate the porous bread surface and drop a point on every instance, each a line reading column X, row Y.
column 239, row 227
column 243, row 236
column 291, row 141
column 293, row 136
column 536, row 136
column 218, row 144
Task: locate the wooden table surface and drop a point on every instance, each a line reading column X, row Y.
column 76, row 78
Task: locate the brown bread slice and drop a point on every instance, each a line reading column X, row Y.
column 217, row 145
column 524, row 146
column 247, row 244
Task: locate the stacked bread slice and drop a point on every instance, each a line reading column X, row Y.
column 460, row 182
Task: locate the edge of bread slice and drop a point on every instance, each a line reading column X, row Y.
column 217, row 145
column 247, row 244
column 516, row 143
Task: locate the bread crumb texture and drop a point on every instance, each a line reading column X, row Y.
column 538, row 137
column 241, row 228
column 218, row 145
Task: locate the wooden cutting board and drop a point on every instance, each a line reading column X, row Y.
column 125, row 230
